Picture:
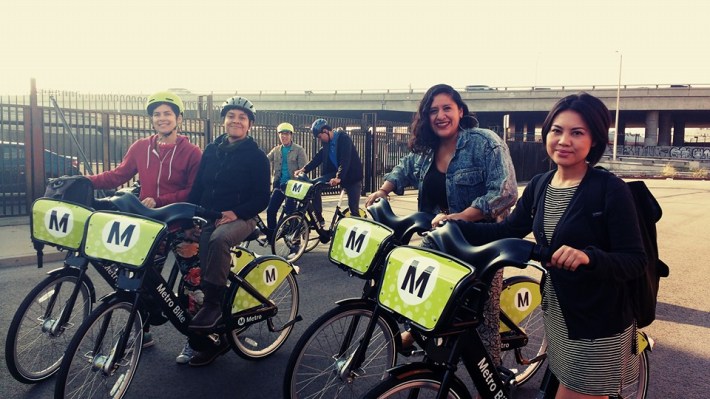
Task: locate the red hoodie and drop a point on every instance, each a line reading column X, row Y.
column 166, row 180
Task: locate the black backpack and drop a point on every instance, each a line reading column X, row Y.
column 77, row 189
column 644, row 290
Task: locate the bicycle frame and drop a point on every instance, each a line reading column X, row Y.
column 305, row 207
column 141, row 284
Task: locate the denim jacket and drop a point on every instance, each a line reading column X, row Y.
column 481, row 174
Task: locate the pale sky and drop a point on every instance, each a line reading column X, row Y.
column 141, row 46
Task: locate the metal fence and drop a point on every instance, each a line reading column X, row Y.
column 102, row 127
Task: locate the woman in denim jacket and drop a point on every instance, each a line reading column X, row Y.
column 462, row 173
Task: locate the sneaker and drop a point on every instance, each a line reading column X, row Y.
column 206, row 357
column 294, row 251
column 186, row 355
column 148, row 340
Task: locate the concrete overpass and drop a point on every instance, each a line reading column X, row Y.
column 665, row 111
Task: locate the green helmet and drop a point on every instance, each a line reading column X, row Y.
column 284, row 127
column 164, row 97
column 238, row 102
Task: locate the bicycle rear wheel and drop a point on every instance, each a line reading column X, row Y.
column 522, row 293
column 257, row 341
column 35, row 345
column 290, row 237
column 317, row 366
column 84, row 371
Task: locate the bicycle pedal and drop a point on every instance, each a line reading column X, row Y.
column 411, row 351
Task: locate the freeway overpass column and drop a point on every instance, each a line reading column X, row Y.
column 621, row 134
column 530, row 131
column 651, row 129
column 664, row 128
column 678, row 133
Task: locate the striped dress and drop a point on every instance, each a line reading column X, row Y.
column 588, row 366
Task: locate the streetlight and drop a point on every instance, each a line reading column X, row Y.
column 616, row 123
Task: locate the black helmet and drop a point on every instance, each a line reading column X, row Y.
column 238, row 102
column 318, row 125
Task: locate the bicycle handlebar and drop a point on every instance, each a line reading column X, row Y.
column 404, row 226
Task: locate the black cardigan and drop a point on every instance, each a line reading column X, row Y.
column 237, row 181
column 599, row 220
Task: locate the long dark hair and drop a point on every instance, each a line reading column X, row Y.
column 423, row 138
column 596, row 116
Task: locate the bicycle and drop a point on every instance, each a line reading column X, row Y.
column 350, row 347
column 445, row 306
column 454, row 295
column 103, row 355
column 46, row 318
column 292, row 236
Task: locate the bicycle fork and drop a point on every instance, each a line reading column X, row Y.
column 55, row 327
column 346, row 367
column 107, row 364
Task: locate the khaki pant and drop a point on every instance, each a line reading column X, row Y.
column 215, row 243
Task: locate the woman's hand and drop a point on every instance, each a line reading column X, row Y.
column 149, row 202
column 227, row 217
column 568, row 258
column 438, row 219
column 374, row 196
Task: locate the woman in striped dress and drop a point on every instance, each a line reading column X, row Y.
column 586, row 216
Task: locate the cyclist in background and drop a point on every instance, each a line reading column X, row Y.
column 233, row 179
column 341, row 165
column 295, row 157
column 166, row 164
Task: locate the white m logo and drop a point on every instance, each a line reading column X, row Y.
column 118, row 236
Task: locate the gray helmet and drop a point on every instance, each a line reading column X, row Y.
column 238, row 102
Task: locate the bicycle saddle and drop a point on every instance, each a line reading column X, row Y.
column 404, row 226
column 487, row 258
column 129, row 203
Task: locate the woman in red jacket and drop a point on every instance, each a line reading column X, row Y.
column 166, row 162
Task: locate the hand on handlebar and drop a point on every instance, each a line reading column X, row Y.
column 334, row 182
column 149, row 202
column 374, row 196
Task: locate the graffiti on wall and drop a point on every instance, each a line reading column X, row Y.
column 683, row 152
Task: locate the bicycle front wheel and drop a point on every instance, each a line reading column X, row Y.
column 291, row 237
column 521, row 292
column 35, row 344
column 416, row 385
column 257, row 341
column 89, row 369
column 320, row 364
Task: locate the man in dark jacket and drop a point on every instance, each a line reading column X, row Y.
column 234, row 179
column 341, row 165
